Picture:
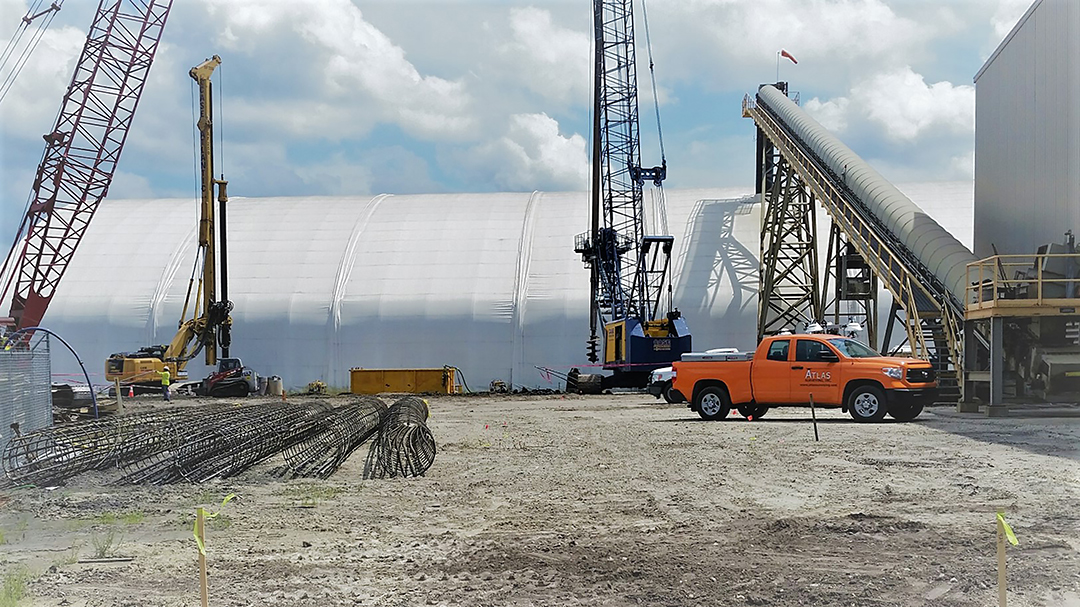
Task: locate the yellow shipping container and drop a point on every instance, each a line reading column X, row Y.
column 417, row 381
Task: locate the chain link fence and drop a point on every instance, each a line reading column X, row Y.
column 25, row 388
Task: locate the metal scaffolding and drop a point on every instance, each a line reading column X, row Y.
column 25, row 400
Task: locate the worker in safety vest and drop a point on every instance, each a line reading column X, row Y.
column 165, row 384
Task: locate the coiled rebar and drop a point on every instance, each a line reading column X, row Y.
column 405, row 446
column 338, row 434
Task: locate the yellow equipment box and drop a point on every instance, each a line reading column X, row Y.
column 374, row 381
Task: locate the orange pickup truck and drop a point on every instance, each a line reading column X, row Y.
column 788, row 369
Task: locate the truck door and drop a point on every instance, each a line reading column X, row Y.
column 770, row 376
column 811, row 375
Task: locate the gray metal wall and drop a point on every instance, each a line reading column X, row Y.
column 1027, row 133
column 25, row 393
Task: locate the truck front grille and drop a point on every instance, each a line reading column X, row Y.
column 921, row 376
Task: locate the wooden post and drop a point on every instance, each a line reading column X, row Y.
column 813, row 414
column 200, row 530
column 119, row 398
column 1001, row 561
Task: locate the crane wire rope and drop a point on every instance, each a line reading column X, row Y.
column 16, row 37
column 659, row 200
column 652, row 79
column 9, row 270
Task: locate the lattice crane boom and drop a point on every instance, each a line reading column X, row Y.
column 81, row 151
column 629, row 269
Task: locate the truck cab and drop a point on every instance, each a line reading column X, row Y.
column 789, row 370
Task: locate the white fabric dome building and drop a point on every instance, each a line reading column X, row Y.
column 488, row 283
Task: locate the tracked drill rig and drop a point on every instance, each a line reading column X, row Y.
column 207, row 329
column 631, row 297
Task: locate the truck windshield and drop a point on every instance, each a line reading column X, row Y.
column 852, row 348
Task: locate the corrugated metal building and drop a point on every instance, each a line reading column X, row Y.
column 1027, row 133
column 486, row 282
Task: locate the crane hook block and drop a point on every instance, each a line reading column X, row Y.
column 656, row 174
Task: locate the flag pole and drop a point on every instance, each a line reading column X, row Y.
column 777, row 66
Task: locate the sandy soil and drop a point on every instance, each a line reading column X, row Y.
column 609, row 500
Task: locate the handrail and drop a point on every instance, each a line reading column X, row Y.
column 988, row 280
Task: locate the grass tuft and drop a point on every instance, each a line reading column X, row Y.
column 106, row 544
column 15, row 586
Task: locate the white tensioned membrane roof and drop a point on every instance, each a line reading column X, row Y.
column 488, row 283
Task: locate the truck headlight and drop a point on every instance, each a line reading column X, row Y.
column 893, row 372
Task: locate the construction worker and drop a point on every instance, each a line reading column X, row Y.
column 165, row 384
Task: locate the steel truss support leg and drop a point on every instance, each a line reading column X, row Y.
column 789, row 287
column 997, row 360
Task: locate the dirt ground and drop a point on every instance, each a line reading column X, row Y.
column 602, row 500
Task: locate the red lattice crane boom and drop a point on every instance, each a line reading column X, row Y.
column 81, row 151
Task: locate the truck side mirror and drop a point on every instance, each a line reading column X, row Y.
column 828, row 356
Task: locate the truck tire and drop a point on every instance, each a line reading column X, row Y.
column 753, row 412
column 712, row 403
column 867, row 404
column 671, row 395
column 905, row 413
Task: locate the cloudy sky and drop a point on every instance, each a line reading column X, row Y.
column 327, row 97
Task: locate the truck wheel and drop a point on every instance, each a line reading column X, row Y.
column 670, row 395
column 905, row 413
column 867, row 404
column 713, row 403
column 753, row 412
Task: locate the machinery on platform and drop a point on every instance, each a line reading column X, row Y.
column 630, row 297
column 1027, row 308
column 208, row 327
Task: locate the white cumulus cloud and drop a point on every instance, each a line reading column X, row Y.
column 902, row 104
column 906, row 106
column 357, row 63
column 554, row 61
column 832, row 114
column 532, row 154
column 842, row 32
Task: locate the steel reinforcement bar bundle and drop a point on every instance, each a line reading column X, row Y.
column 60, row 452
column 227, row 443
column 195, row 444
column 336, row 436
column 405, row 445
